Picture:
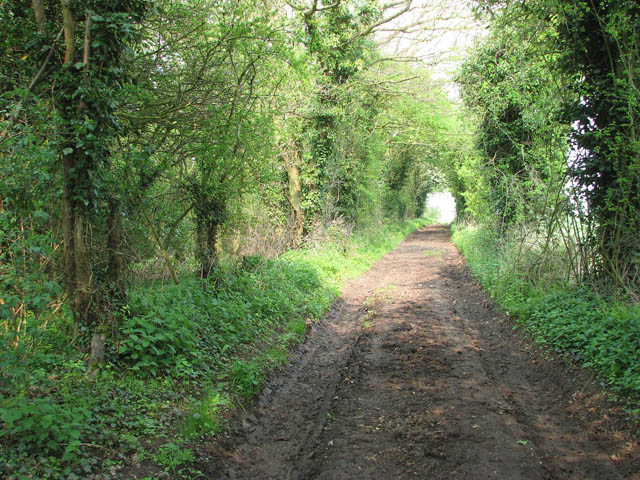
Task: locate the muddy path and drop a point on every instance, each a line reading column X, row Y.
column 413, row 374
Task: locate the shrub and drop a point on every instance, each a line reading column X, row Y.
column 601, row 334
column 161, row 332
column 39, row 426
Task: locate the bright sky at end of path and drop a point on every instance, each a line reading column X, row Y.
column 443, row 204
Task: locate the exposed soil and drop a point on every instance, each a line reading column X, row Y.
column 414, row 374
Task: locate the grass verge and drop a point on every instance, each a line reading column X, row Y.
column 600, row 334
column 184, row 356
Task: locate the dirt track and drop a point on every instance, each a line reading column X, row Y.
column 414, row 375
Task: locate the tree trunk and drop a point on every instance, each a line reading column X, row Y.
column 84, row 290
column 38, row 10
column 69, row 25
column 75, row 228
column 67, row 229
column 76, row 177
column 97, row 353
column 294, row 195
column 115, row 265
column 207, row 236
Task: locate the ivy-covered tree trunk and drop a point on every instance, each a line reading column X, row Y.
column 115, row 243
column 324, row 153
column 335, row 35
column 601, row 42
column 77, row 264
column 207, row 235
column 210, row 214
column 76, row 167
column 85, row 94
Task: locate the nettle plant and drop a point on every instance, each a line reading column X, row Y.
column 41, row 427
column 159, row 329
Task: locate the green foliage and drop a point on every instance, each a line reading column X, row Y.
column 183, row 329
column 554, row 181
column 553, row 86
column 26, row 240
column 234, row 328
column 38, row 426
column 509, row 83
column 137, row 144
column 204, row 416
column 246, row 376
column 424, row 138
column 600, row 44
column 154, row 339
column 333, row 40
column 170, row 456
column 602, row 335
column 298, row 329
column 230, row 93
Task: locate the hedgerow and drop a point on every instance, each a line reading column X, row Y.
column 600, row 333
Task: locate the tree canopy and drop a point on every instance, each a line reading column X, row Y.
column 190, row 142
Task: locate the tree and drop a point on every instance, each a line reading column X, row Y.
column 421, row 138
column 510, row 84
column 600, row 44
column 584, row 59
column 339, row 37
column 82, row 79
column 205, row 114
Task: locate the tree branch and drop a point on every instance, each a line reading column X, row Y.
column 34, row 82
column 383, row 21
column 69, row 27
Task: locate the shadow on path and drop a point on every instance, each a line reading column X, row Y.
column 413, row 374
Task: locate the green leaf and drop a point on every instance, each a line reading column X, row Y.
column 11, row 415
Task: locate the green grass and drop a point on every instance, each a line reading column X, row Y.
column 185, row 357
column 602, row 334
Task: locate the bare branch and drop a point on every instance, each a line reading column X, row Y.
column 383, row 21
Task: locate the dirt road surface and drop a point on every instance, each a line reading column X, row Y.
column 414, row 375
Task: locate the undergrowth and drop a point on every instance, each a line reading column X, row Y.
column 183, row 358
column 602, row 334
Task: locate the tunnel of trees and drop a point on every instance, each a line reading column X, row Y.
column 168, row 166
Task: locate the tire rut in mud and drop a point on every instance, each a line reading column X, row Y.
column 414, row 375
